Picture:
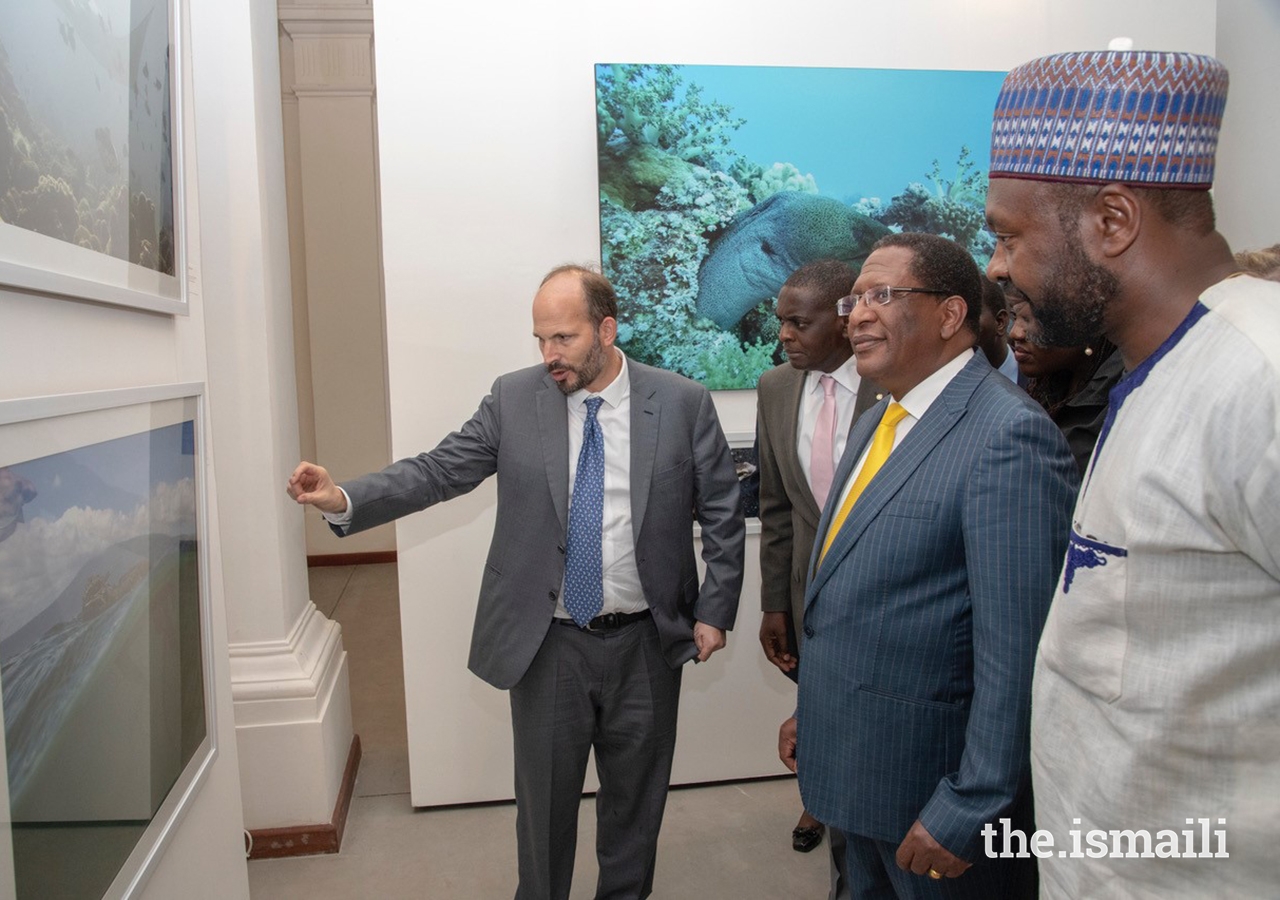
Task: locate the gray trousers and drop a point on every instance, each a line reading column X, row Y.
column 615, row 693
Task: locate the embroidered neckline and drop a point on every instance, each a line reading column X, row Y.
column 1133, row 380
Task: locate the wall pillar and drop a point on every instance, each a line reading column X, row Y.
column 331, row 154
column 288, row 668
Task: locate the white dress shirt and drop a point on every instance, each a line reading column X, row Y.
column 847, row 381
column 622, row 590
column 916, row 402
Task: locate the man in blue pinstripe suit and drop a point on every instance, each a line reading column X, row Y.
column 928, row 589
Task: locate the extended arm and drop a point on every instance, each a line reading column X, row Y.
column 459, row 463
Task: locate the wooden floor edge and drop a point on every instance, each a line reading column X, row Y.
column 308, row 840
column 351, row 559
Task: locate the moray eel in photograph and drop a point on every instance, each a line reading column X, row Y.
column 765, row 244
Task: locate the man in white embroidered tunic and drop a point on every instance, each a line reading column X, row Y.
column 1156, row 699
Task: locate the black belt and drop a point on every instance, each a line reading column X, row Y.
column 609, row 621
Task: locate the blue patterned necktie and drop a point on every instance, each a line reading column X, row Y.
column 583, row 574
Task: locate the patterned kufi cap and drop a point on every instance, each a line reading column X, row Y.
column 1130, row 116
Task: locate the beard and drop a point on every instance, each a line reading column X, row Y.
column 1071, row 309
column 585, row 372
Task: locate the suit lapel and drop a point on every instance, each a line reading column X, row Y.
column 788, row 456
column 869, row 394
column 645, row 415
column 553, row 428
column 937, row 422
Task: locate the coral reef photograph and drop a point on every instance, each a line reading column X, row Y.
column 717, row 182
column 86, row 151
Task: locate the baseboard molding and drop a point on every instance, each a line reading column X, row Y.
column 351, row 559
column 308, row 840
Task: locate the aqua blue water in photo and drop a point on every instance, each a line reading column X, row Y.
column 716, row 182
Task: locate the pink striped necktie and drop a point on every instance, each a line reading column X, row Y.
column 822, row 459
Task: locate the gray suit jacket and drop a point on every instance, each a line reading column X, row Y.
column 922, row 620
column 788, row 512
column 681, row 469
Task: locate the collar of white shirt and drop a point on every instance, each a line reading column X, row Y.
column 918, row 400
column 845, row 375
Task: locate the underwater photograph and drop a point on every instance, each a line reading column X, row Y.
column 86, row 150
column 100, row 644
column 717, row 182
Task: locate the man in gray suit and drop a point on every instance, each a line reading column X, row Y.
column 804, row 409
column 590, row 603
column 931, row 577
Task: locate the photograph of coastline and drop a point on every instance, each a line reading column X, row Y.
column 86, row 131
column 716, row 182
column 101, row 664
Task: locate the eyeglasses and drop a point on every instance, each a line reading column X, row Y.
column 880, row 296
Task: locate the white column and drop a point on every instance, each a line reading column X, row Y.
column 288, row 668
column 331, row 160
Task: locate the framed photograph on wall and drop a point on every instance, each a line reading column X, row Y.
column 717, row 182
column 105, row 670
column 91, row 204
column 746, row 463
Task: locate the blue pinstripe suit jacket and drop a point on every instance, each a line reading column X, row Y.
column 921, row 622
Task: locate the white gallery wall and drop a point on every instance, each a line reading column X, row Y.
column 488, row 178
column 1247, row 188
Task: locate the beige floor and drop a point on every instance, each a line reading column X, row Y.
column 725, row 842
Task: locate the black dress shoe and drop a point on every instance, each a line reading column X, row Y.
column 805, row 839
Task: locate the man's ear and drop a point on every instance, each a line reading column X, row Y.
column 953, row 312
column 608, row 331
column 1114, row 219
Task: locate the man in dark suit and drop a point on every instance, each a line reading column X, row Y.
column 590, row 603
column 937, row 554
column 804, row 409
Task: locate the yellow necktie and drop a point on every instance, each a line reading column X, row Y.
column 881, row 444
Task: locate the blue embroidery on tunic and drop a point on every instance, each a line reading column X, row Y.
column 1085, row 553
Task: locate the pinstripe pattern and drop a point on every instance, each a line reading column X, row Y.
column 922, row 620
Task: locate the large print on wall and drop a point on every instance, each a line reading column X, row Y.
column 90, row 174
column 103, row 668
column 716, row 182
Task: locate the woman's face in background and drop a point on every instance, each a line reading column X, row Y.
column 1035, row 358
